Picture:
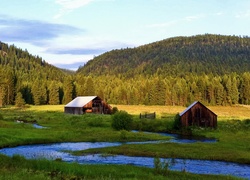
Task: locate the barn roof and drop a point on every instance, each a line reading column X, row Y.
column 189, row 107
column 80, row 101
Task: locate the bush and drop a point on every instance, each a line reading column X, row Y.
column 123, row 134
column 1, row 117
column 161, row 168
column 177, row 122
column 114, row 110
column 121, row 120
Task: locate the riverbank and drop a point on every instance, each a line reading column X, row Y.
column 232, row 135
column 16, row 168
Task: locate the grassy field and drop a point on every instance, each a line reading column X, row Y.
column 233, row 141
column 224, row 112
column 18, row 168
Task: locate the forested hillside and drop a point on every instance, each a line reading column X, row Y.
column 200, row 54
column 21, row 72
column 213, row 69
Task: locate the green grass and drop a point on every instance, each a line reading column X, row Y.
column 60, row 127
column 232, row 145
column 20, row 168
column 233, row 134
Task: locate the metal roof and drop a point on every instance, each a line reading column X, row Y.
column 80, row 101
column 189, row 107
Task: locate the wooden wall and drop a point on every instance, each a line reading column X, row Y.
column 199, row 115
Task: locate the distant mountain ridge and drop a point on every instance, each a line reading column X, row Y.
column 216, row 54
column 213, row 69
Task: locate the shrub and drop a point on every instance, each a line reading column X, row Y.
column 123, row 134
column 161, row 168
column 121, row 120
column 1, row 117
column 114, row 110
column 177, row 122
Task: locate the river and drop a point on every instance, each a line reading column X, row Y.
column 57, row 151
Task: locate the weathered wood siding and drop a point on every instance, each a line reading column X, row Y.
column 73, row 110
column 96, row 105
column 199, row 115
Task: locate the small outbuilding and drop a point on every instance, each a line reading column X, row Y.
column 198, row 115
column 87, row 104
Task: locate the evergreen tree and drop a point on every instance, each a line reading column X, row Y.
column 219, row 94
column 235, row 91
column 39, row 92
column 244, row 89
column 19, row 102
column 228, row 88
column 68, row 90
column 53, row 93
column 80, row 83
column 89, row 88
column 159, row 89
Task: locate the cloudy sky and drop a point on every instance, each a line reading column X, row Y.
column 68, row 33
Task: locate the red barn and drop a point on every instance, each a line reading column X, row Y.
column 198, row 115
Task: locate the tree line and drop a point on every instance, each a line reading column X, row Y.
column 155, row 90
column 177, row 71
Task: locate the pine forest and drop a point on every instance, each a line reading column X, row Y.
column 213, row 69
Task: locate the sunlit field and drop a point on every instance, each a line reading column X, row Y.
column 232, row 146
column 58, row 108
column 224, row 112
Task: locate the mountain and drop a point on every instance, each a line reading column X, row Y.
column 212, row 69
column 23, row 63
column 21, row 72
column 216, row 54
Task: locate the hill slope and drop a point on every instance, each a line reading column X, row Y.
column 199, row 54
column 25, row 63
column 21, row 72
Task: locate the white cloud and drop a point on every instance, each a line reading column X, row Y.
column 161, row 25
column 219, row 13
column 177, row 21
column 69, row 5
column 245, row 14
column 192, row 18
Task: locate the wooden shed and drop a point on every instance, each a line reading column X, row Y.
column 87, row 104
column 198, row 115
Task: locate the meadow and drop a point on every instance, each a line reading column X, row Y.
column 233, row 137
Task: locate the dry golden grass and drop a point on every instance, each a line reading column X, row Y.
column 223, row 112
column 58, row 108
column 231, row 112
column 159, row 110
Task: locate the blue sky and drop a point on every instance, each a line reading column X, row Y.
column 68, row 33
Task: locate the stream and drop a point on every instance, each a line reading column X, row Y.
column 57, row 151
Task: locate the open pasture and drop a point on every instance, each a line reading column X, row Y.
column 233, row 138
column 238, row 112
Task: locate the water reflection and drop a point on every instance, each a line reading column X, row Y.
column 38, row 126
column 57, row 151
column 177, row 138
